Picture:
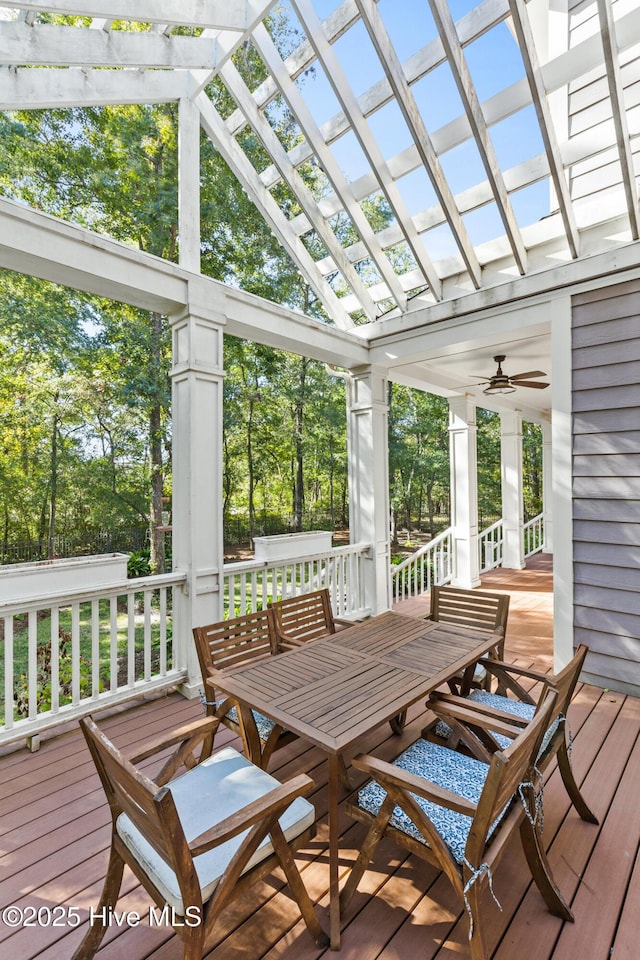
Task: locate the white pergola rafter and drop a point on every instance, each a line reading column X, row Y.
column 360, row 127
column 417, row 127
column 238, row 162
column 473, row 109
column 237, row 87
column 216, row 15
column 616, row 93
column 539, row 96
column 312, row 133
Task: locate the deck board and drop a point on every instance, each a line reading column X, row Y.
column 54, row 834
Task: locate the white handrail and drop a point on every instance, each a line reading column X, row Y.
column 429, row 565
column 250, row 585
column 68, row 653
column 534, row 535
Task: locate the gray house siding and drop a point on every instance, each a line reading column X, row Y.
column 606, row 481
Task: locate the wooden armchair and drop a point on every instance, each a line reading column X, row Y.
column 305, row 617
column 515, row 708
column 458, row 813
column 200, row 841
column 223, row 647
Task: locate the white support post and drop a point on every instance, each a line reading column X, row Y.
column 547, row 488
column 189, row 185
column 562, row 500
column 367, row 438
column 197, row 384
column 464, row 492
column 512, row 490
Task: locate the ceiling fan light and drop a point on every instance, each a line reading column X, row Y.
column 499, row 388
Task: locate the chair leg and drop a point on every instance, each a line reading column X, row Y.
column 477, row 943
column 397, row 723
column 571, row 786
column 371, row 841
column 541, row 871
column 297, row 887
column 93, row 937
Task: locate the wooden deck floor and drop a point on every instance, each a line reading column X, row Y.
column 54, row 831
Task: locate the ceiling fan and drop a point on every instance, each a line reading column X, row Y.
column 501, row 383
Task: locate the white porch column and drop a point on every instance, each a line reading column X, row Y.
column 547, row 488
column 512, row 490
column 197, row 378
column 367, row 440
column 464, row 492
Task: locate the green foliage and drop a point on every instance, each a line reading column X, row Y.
column 139, row 564
column 43, row 680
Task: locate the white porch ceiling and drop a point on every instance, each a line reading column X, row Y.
column 502, row 137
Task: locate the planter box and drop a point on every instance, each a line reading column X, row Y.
column 19, row 581
column 288, row 546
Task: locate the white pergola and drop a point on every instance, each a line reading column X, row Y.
column 521, row 194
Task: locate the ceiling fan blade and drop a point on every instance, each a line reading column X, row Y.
column 532, row 383
column 529, row 373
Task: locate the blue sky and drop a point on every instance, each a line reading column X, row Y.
column 494, row 62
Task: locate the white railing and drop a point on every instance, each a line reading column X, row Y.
column 68, row 653
column 534, row 535
column 490, row 542
column 428, row 566
column 251, row 585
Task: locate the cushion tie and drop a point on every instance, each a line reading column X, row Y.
column 206, row 703
column 536, row 785
column 476, row 873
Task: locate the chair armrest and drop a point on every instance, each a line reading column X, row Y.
column 195, row 730
column 473, row 713
column 386, row 773
column 286, row 642
column 188, row 738
column 506, row 674
column 268, row 806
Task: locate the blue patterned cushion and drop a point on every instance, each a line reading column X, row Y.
column 263, row 724
column 446, row 768
column 498, row 702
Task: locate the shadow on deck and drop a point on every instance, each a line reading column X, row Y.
column 54, row 831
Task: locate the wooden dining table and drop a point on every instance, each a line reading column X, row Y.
column 334, row 690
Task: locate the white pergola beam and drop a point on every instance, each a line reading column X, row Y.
column 246, row 174
column 55, row 45
column 527, row 45
column 478, row 123
column 216, row 15
column 42, row 246
column 343, row 189
column 238, row 89
column 349, row 102
column 27, row 89
column 417, row 127
column 616, row 93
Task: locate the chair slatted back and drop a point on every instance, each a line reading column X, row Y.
column 233, row 643
column 469, row 608
column 306, row 617
column 130, row 792
column 565, row 681
column 508, row 769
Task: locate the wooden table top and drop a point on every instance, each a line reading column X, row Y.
column 333, row 690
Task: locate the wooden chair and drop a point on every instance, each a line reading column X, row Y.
column 458, row 813
column 306, row 617
column 229, row 644
column 471, row 608
column 200, row 841
column 516, row 707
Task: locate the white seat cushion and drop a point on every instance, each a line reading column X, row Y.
column 212, row 791
column 456, row 772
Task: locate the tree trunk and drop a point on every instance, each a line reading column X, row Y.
column 53, row 485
